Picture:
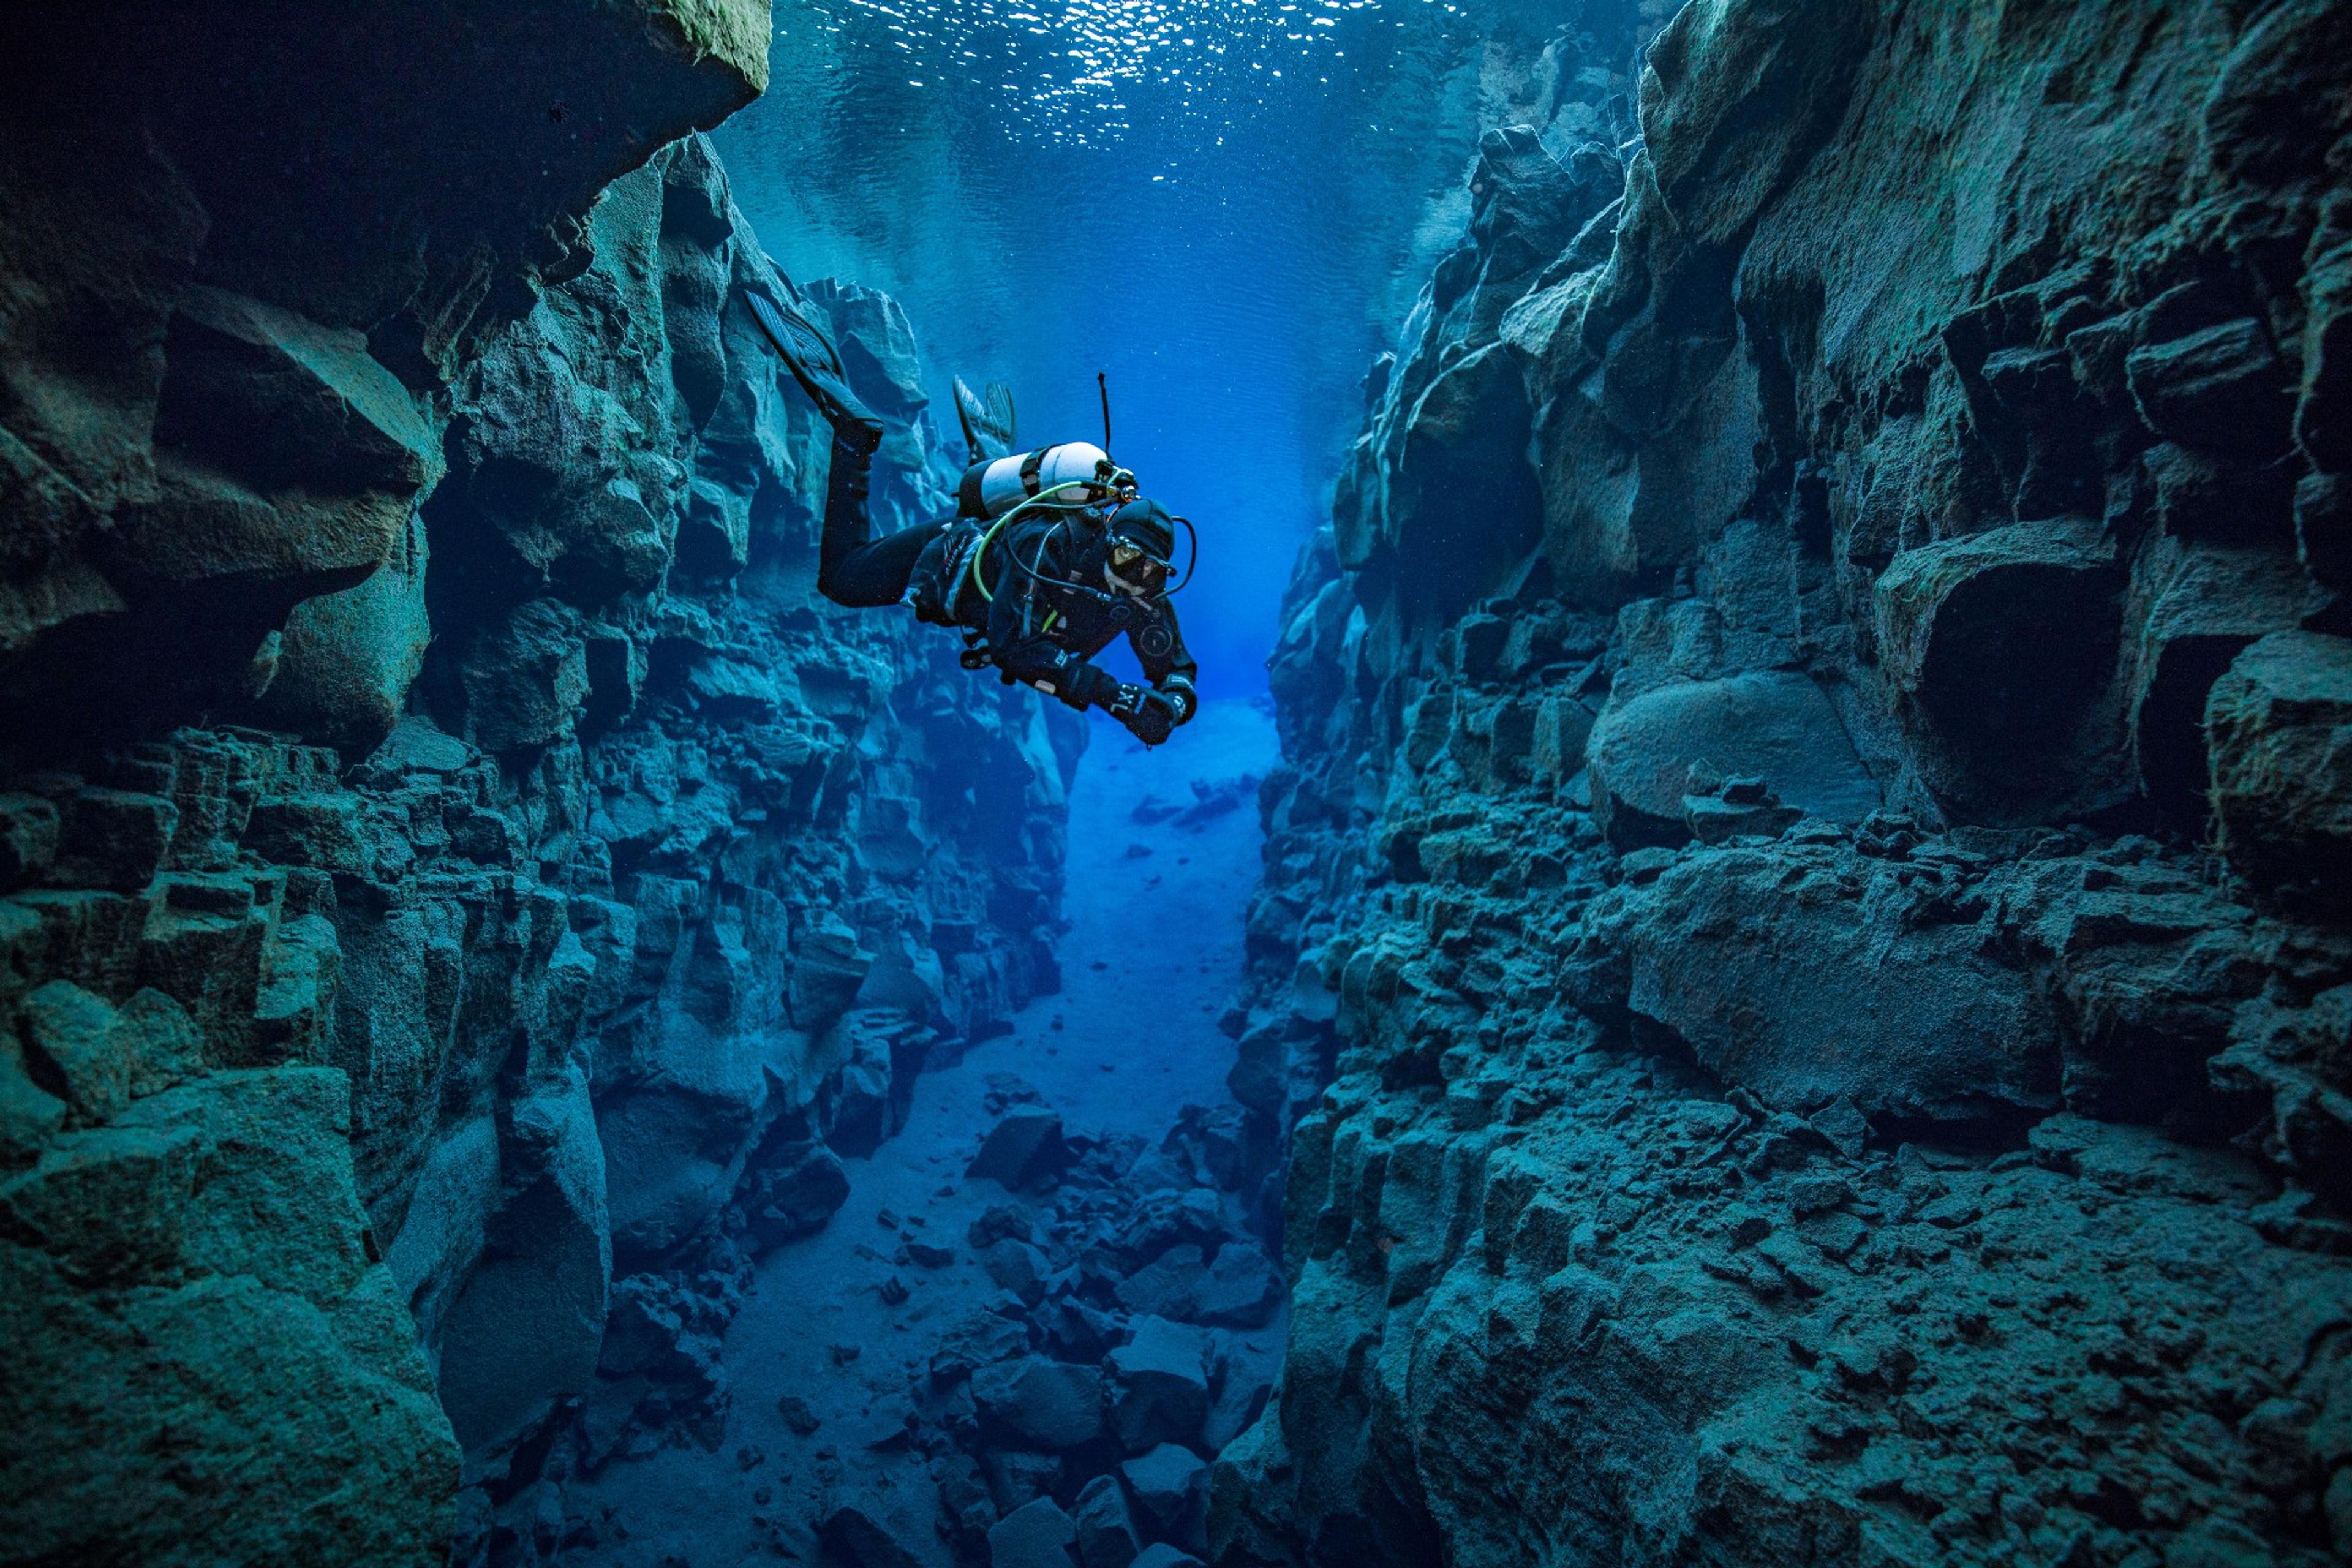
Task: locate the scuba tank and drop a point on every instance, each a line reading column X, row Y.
column 993, row 488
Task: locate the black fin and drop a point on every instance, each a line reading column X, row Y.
column 987, row 419
column 814, row 362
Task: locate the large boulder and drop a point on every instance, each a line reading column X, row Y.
column 1017, row 1267
column 1159, row 1385
column 1772, row 724
column 1167, row 1286
column 1806, row 973
column 2279, row 733
column 863, row 1534
column 1106, row 1528
column 1036, row 1535
column 1160, row 1555
column 1169, row 1486
column 1023, row 1147
column 1244, row 1386
column 976, row 1339
column 1040, row 1403
column 1241, row 1288
column 1017, row 1478
column 792, row 1189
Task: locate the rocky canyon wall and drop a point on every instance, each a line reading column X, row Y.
column 460, row 890
column 1803, row 935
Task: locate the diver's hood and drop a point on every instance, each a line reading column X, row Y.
column 1145, row 523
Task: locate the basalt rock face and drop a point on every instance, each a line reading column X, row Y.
column 459, row 886
column 1803, row 960
column 241, row 241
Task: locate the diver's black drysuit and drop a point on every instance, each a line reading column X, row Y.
column 1034, row 599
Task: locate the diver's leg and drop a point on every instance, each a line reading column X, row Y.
column 870, row 575
column 810, row 355
column 848, row 514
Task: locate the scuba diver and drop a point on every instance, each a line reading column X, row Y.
column 1051, row 554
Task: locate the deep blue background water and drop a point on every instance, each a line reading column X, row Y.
column 1227, row 205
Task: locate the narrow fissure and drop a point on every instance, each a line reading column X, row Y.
column 1043, row 1274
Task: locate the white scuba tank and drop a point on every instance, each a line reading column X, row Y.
column 992, row 488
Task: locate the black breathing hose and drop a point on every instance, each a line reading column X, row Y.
column 1191, row 562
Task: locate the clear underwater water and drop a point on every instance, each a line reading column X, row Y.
column 1227, row 205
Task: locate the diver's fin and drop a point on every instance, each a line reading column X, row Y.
column 810, row 355
column 987, row 419
column 999, row 398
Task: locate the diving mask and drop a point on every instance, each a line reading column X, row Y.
column 1133, row 565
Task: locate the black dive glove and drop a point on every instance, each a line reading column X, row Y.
column 1149, row 716
column 1181, row 699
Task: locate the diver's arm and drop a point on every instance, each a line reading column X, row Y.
column 1021, row 648
column 1160, row 649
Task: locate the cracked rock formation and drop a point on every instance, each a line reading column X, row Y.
column 1801, row 976
column 459, row 886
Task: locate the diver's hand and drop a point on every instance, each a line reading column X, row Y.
column 1149, row 716
column 1154, row 722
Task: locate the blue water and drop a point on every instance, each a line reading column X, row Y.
column 1226, row 205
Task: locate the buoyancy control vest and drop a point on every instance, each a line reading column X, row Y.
column 942, row 575
column 1068, row 478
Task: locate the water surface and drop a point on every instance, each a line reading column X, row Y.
column 1227, row 205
